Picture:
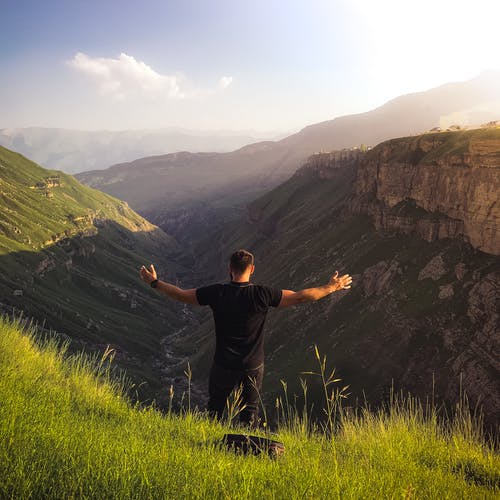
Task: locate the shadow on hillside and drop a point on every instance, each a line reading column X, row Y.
column 87, row 288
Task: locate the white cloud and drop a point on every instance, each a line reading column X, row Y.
column 225, row 81
column 127, row 76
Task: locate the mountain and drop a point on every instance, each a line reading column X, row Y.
column 70, row 257
column 416, row 222
column 184, row 193
column 77, row 150
column 468, row 103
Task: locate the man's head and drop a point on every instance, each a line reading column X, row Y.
column 241, row 265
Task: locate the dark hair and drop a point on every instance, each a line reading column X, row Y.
column 240, row 261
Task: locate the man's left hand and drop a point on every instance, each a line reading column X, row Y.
column 340, row 283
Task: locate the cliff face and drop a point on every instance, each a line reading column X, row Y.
column 422, row 314
column 442, row 185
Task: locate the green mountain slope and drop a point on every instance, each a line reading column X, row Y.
column 67, row 431
column 421, row 315
column 69, row 257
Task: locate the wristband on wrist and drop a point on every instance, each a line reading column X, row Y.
column 154, row 283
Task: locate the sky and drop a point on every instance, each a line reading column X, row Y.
column 262, row 65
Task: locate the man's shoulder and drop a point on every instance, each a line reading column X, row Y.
column 212, row 285
column 205, row 294
column 263, row 286
column 269, row 294
column 211, row 289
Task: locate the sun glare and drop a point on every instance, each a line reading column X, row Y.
column 422, row 44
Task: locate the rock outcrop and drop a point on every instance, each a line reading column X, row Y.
column 326, row 165
column 439, row 185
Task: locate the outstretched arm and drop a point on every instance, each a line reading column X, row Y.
column 171, row 291
column 291, row 298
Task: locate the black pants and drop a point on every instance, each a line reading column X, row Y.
column 223, row 380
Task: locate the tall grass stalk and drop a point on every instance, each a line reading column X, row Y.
column 189, row 375
column 235, row 405
column 332, row 394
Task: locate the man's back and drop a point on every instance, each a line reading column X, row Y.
column 240, row 310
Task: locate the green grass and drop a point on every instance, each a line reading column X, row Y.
column 68, row 431
column 449, row 143
column 31, row 221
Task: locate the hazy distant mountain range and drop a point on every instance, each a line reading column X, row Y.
column 181, row 189
column 74, row 151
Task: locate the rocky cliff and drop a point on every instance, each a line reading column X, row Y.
column 439, row 185
column 422, row 314
column 327, row 165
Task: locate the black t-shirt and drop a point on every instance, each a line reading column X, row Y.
column 239, row 313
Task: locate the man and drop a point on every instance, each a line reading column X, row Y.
column 239, row 309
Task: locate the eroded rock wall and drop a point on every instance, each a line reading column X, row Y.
column 443, row 185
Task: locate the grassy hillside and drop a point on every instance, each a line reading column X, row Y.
column 37, row 212
column 69, row 257
column 67, row 431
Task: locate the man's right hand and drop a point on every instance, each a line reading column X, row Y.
column 148, row 275
column 340, row 283
column 291, row 298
